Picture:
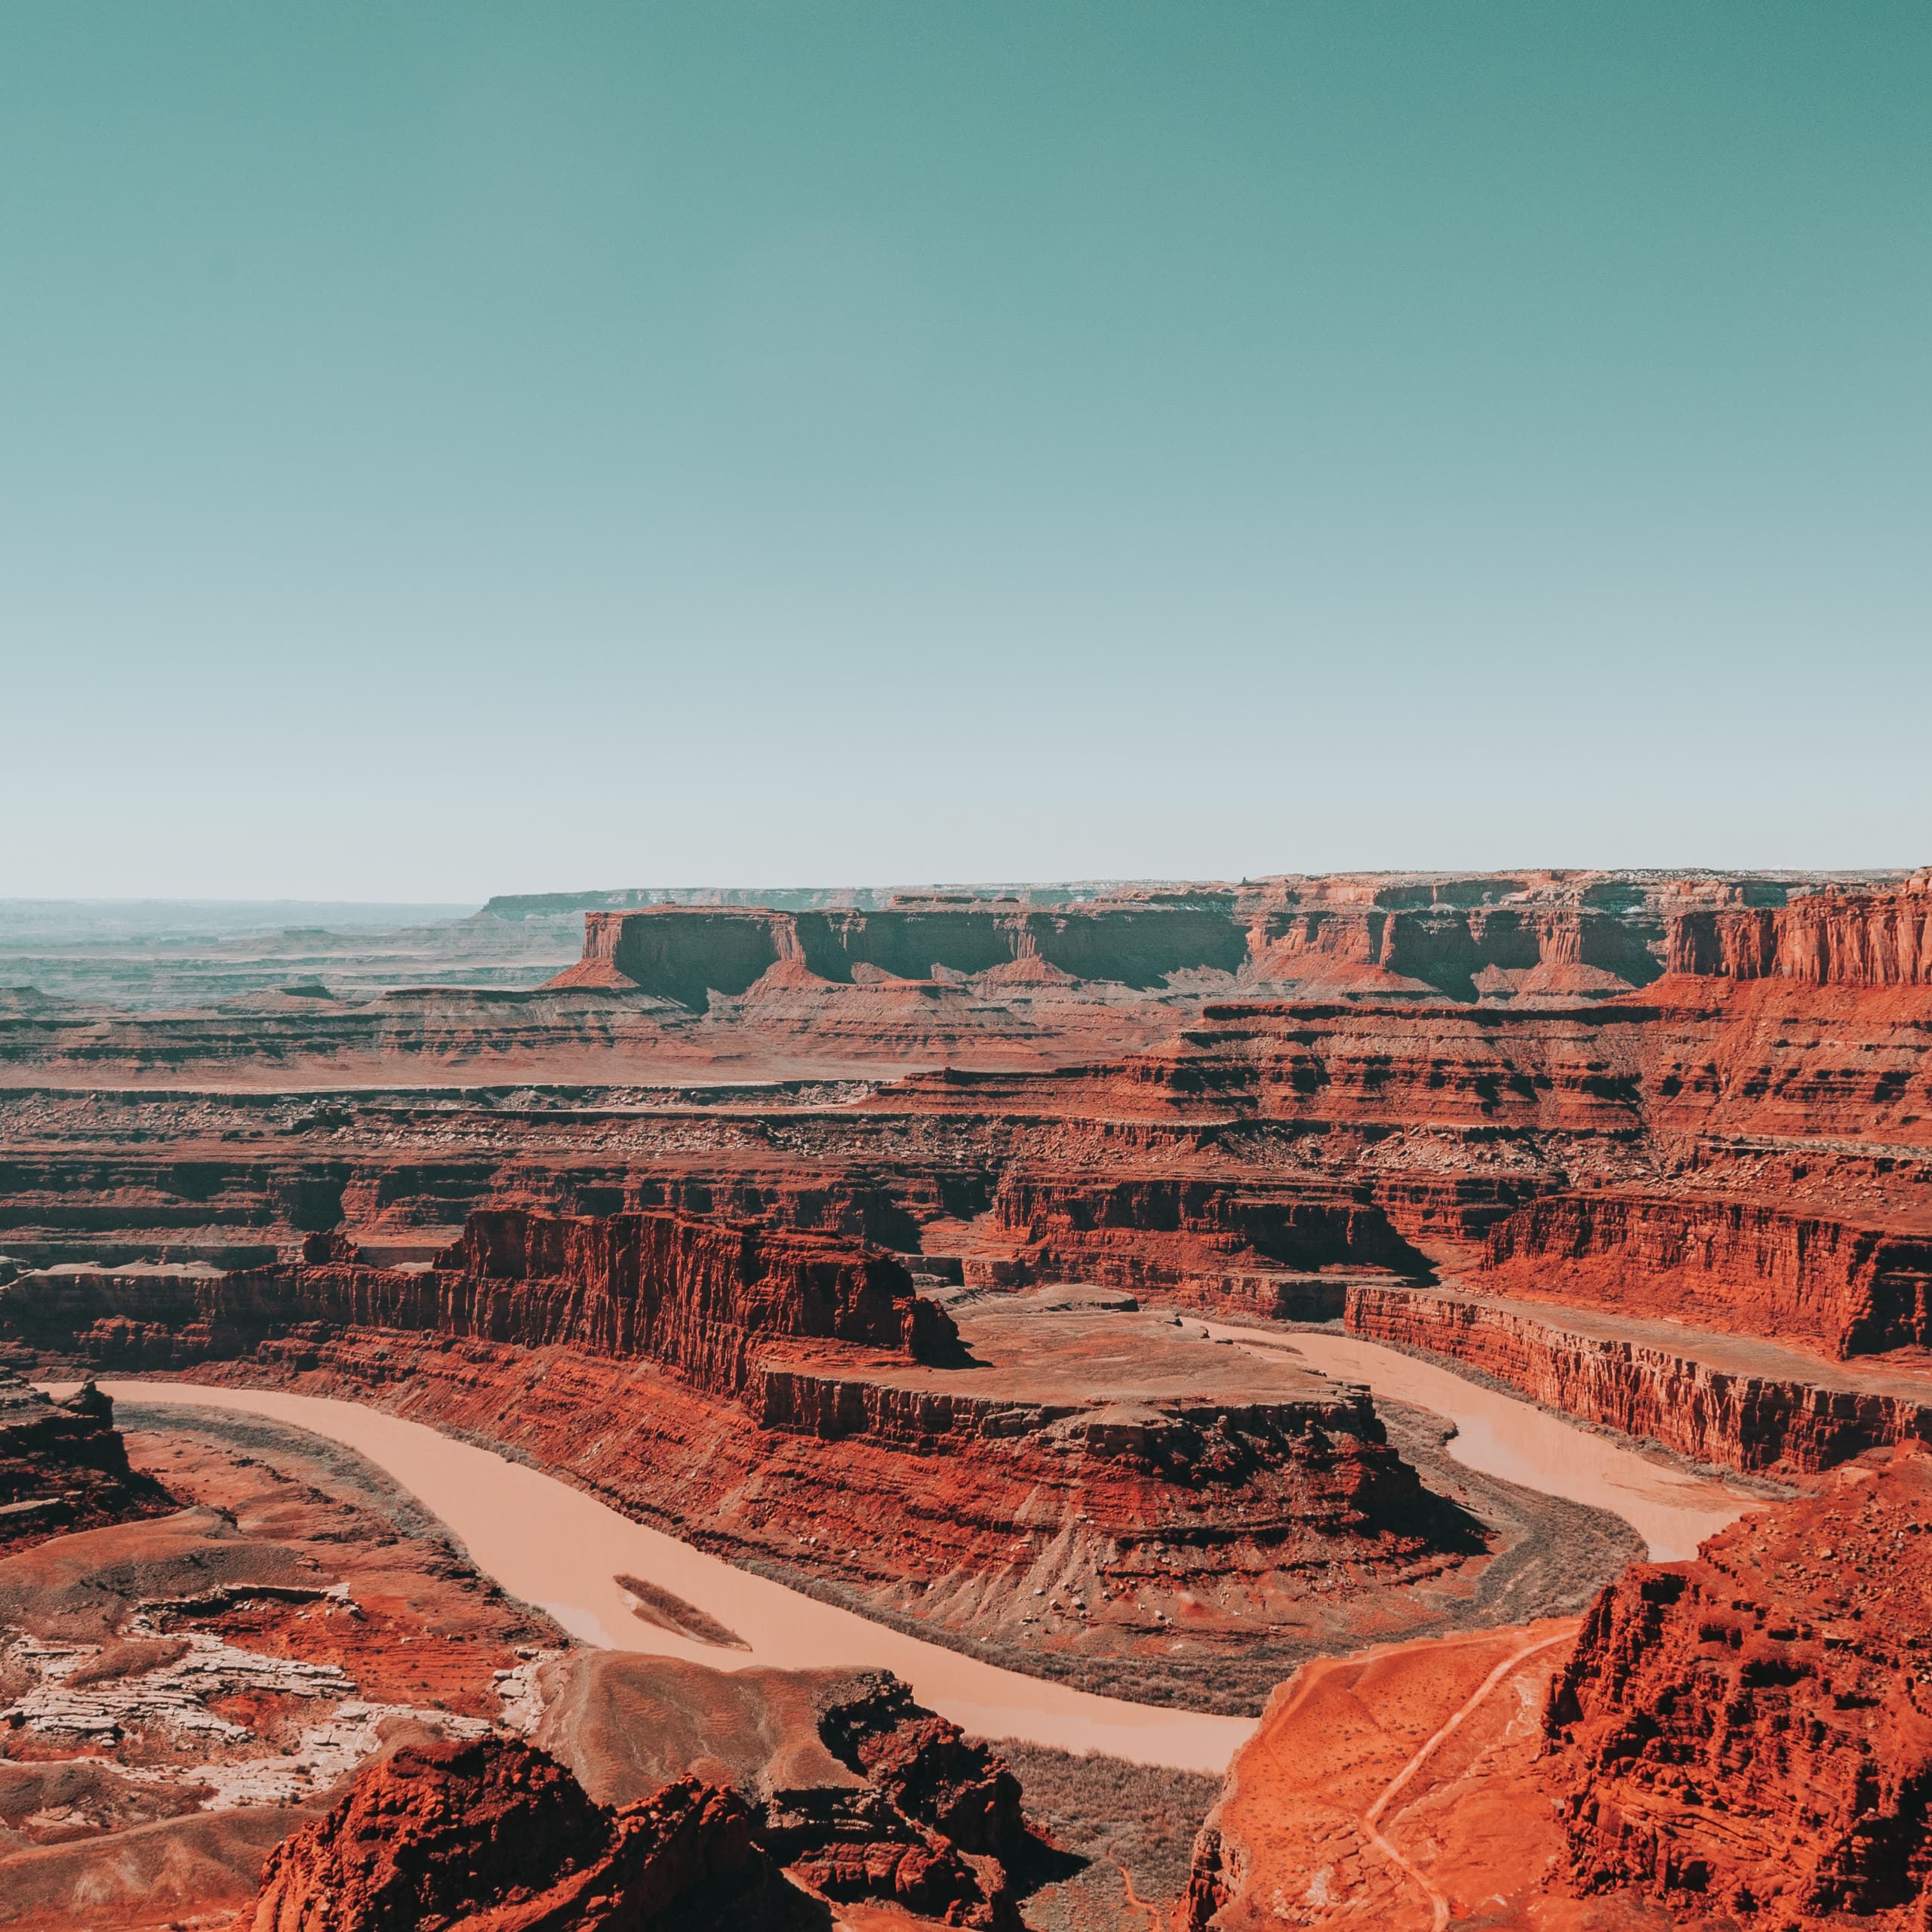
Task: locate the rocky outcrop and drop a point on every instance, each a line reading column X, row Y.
column 1752, row 1266
column 688, row 953
column 1752, row 1732
column 1833, row 938
column 700, row 1297
column 1137, row 1230
column 851, row 1784
column 63, row 1465
column 1649, row 1390
column 1537, row 938
column 494, row 1836
column 924, row 1766
column 939, row 1825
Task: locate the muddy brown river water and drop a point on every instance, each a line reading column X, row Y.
column 554, row 1546
column 1672, row 1509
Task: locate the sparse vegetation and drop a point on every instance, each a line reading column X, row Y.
column 1136, row 1819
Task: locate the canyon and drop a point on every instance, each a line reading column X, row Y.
column 1742, row 1738
column 988, row 1265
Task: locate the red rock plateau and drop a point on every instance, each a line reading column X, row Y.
column 1744, row 1740
column 807, row 1229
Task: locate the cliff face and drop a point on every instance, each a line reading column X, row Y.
column 1533, row 952
column 1753, row 1731
column 1750, row 1422
column 687, row 953
column 499, row 1837
column 63, row 1466
column 702, row 1297
column 699, row 1295
column 1537, row 938
column 1162, row 1230
column 1833, row 939
column 1748, row 1266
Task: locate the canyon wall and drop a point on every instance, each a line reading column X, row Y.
column 1790, row 1424
column 1832, row 939
column 699, row 1297
column 687, row 953
column 1170, row 1230
column 1749, row 1266
column 1451, row 936
column 1538, row 936
column 1752, row 1730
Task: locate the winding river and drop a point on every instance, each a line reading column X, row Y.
column 1672, row 1509
column 556, row 1547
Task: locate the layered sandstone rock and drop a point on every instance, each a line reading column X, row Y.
column 688, row 954
column 700, row 1296
column 1752, row 1732
column 1766, row 1409
column 493, row 1836
column 1753, row 1266
column 855, row 1787
column 1154, row 1230
column 1535, row 937
column 1834, row 938
column 63, row 1465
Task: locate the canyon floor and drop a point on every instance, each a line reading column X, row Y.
column 1122, row 1314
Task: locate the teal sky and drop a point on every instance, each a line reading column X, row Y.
column 450, row 449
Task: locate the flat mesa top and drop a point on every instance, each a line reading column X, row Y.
column 1075, row 1349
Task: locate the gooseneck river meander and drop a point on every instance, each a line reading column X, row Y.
column 555, row 1546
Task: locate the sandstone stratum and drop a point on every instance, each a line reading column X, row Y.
column 980, row 1263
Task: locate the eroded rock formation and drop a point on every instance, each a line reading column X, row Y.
column 1751, row 1407
column 63, row 1465
column 700, row 1297
column 1834, row 938
column 854, row 1787
column 494, row 1836
column 1753, row 1731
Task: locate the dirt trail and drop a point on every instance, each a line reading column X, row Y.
column 1438, row 1900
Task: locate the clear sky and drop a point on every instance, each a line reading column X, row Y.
column 450, row 448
